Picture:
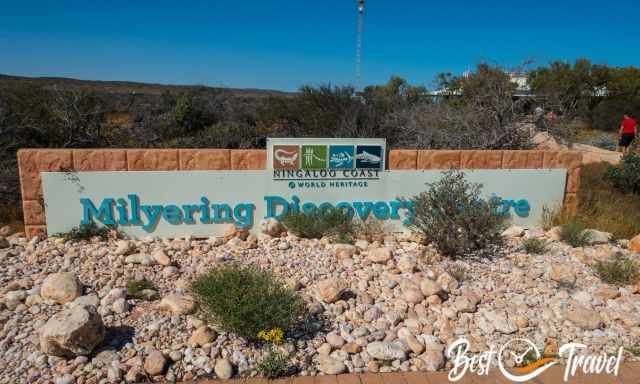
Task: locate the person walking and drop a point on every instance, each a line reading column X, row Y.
column 628, row 132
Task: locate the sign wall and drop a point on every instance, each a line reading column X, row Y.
column 202, row 203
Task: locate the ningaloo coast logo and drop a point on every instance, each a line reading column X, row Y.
column 528, row 361
column 294, row 157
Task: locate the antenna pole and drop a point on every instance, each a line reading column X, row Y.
column 359, row 44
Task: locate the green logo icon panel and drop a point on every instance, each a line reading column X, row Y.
column 314, row 157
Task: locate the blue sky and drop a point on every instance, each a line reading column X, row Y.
column 281, row 44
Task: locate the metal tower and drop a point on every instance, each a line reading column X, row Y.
column 359, row 43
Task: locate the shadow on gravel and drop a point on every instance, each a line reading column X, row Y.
column 117, row 337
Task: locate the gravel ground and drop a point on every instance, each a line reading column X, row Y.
column 388, row 305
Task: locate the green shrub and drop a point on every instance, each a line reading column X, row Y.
column 273, row 365
column 625, row 176
column 458, row 272
column 319, row 223
column 246, row 300
column 534, row 245
column 618, row 271
column 141, row 289
column 452, row 214
column 87, row 232
column 574, row 234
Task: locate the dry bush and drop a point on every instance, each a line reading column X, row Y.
column 600, row 206
column 371, row 229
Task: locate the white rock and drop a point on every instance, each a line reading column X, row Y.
column 335, row 340
column 407, row 263
column 597, row 237
column 330, row 290
column 90, row 299
column 447, row 282
column 201, row 336
column 123, row 247
column 467, row 303
column 161, row 258
column 178, row 304
column 413, row 343
column 74, row 331
column 343, row 251
column 430, row 287
column 513, row 231
column 67, row 378
column 380, row 255
column 412, row 294
column 330, row 366
column 584, row 317
column 120, row 306
column 61, row 287
column 140, row 258
column 112, row 296
column 223, row 369
column 271, row 227
column 562, row 274
column 501, row 323
column 387, row 350
column 434, row 360
column 18, row 295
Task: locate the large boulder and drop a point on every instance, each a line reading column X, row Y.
column 61, row 287
column 271, row 227
column 223, row 369
column 155, row 363
column 597, row 237
column 330, row 290
column 513, row 231
column 72, row 332
column 562, row 274
column 584, row 318
column 343, row 251
column 232, row 232
column 501, row 323
column 178, row 304
column 124, row 247
column 380, row 255
column 387, row 350
column 330, row 366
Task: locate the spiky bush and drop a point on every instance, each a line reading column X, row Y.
column 319, row 223
column 246, row 300
column 453, row 215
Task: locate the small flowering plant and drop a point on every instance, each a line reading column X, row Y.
column 274, row 363
column 274, row 335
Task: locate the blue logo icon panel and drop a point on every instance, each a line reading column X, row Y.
column 341, row 156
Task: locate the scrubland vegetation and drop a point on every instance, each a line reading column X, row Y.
column 475, row 111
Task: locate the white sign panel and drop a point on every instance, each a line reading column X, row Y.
column 202, row 203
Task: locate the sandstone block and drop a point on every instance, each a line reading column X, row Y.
column 152, row 159
column 100, row 160
column 444, row 159
column 204, row 159
column 33, row 161
column 248, row 159
column 481, row 159
column 522, row 159
column 403, row 159
column 33, row 212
